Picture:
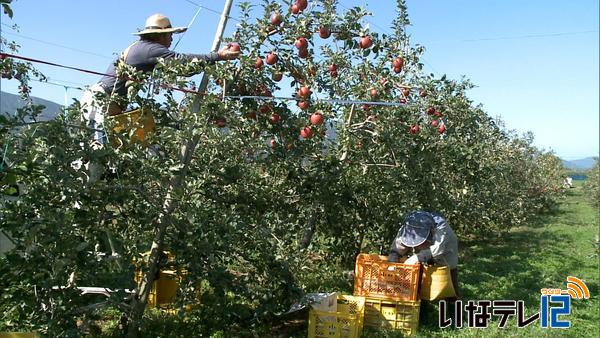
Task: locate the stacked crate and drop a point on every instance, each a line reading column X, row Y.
column 344, row 319
column 385, row 295
column 391, row 292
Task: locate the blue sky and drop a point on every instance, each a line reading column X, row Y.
column 535, row 63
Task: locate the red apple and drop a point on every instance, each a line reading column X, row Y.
column 274, row 118
column 431, row 110
column 302, row 4
column 251, row 115
column 332, row 67
column 220, row 122
column 233, row 46
column 422, row 93
column 306, row 132
column 304, row 92
column 304, row 105
column 398, row 63
column 324, row 32
column 295, row 9
column 301, row 43
column 441, row 129
column 271, row 58
column 316, row 118
column 272, row 143
column 397, row 70
column 434, row 123
column 259, row 63
column 405, row 92
column 277, row 76
column 373, row 92
column 365, row 42
column 276, row 19
column 415, row 129
column 303, row 53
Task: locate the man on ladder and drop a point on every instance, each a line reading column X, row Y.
column 142, row 55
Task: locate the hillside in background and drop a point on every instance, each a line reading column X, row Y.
column 581, row 164
column 9, row 103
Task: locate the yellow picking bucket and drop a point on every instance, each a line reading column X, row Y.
column 436, row 283
column 140, row 120
column 166, row 285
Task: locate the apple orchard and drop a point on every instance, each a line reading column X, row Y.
column 310, row 148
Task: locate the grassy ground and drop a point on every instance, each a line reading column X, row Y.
column 519, row 263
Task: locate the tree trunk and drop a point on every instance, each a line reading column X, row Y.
column 359, row 240
column 310, row 229
column 138, row 304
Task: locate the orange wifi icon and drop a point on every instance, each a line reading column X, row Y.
column 577, row 288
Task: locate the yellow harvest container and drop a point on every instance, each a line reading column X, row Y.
column 436, row 283
column 345, row 322
column 19, row 335
column 395, row 315
column 164, row 289
column 375, row 277
column 165, row 286
column 140, row 120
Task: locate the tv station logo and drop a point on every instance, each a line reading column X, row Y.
column 555, row 305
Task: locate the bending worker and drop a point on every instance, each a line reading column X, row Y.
column 427, row 238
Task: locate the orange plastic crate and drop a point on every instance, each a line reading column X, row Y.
column 375, row 277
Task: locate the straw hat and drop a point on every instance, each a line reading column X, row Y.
column 158, row 23
column 416, row 229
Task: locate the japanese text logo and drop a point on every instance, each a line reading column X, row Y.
column 554, row 305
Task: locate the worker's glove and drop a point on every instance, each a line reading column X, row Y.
column 412, row 260
column 226, row 54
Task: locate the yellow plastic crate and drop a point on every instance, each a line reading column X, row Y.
column 19, row 335
column 396, row 315
column 345, row 322
column 139, row 119
column 165, row 287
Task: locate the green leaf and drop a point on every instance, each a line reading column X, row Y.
column 7, row 10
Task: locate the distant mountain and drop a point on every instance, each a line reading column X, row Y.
column 9, row 103
column 581, row 164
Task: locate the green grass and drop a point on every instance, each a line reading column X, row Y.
column 518, row 264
